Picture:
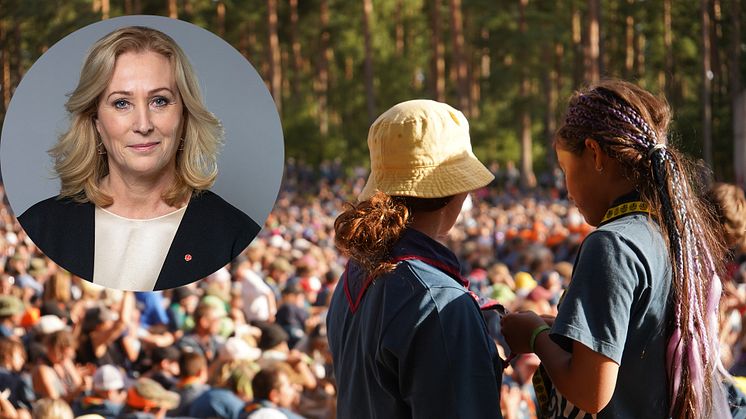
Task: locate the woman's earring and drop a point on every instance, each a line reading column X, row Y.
column 100, row 148
column 600, row 169
column 181, row 145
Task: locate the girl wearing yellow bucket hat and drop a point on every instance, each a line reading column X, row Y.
column 407, row 338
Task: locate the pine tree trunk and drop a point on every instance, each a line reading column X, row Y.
column 323, row 69
column 437, row 61
column 577, row 47
column 706, row 83
column 6, row 86
column 739, row 138
column 593, row 61
column 295, row 46
column 629, row 42
column 550, row 89
column 245, row 43
column 640, row 41
column 559, row 60
column 220, row 18
column 18, row 52
column 105, row 9
column 668, row 48
column 716, row 35
column 459, row 59
column 398, row 17
column 370, row 99
column 173, row 9
column 275, row 69
column 738, row 96
column 528, row 179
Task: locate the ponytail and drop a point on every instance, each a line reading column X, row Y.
column 365, row 232
column 630, row 125
column 692, row 356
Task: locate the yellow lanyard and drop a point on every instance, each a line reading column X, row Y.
column 626, row 208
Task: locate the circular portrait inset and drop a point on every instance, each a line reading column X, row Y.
column 142, row 153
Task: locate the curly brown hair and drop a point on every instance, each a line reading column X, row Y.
column 366, row 231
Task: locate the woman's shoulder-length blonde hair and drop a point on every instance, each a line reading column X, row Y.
column 77, row 161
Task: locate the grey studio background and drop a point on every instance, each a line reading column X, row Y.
column 250, row 162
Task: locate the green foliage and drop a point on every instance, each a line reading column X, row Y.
column 492, row 37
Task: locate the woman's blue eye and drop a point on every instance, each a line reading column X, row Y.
column 121, row 104
column 160, row 101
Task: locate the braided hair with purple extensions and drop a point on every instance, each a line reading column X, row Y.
column 631, row 125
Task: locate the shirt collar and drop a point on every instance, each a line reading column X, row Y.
column 414, row 244
column 628, row 197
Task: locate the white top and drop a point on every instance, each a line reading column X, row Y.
column 254, row 293
column 129, row 253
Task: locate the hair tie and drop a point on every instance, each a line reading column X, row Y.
column 654, row 148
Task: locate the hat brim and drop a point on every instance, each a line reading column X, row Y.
column 450, row 178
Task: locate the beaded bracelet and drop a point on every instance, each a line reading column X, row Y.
column 534, row 334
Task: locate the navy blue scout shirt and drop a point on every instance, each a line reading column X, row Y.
column 618, row 305
column 412, row 343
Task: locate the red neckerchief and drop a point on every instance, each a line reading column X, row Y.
column 413, row 245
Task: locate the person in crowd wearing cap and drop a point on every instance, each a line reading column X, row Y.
column 292, row 314
column 204, row 338
column 147, row 399
column 57, row 376
column 327, row 289
column 184, row 301
column 192, row 381
column 407, row 337
column 165, row 366
column 107, row 396
column 274, row 346
column 274, row 396
column 227, row 399
column 12, row 359
column 135, row 169
column 105, row 338
column 636, row 333
column 11, row 310
column 278, row 274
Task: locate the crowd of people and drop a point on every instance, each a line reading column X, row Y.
column 249, row 341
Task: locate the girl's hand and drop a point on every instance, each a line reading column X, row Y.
column 548, row 319
column 517, row 329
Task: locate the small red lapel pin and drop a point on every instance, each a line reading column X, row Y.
column 187, row 257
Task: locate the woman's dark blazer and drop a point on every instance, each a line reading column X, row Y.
column 212, row 233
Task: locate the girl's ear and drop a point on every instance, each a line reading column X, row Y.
column 596, row 153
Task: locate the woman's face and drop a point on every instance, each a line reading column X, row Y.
column 583, row 184
column 139, row 116
column 451, row 213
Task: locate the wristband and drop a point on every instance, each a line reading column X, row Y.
column 534, row 334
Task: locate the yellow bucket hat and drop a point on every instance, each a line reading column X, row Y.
column 421, row 148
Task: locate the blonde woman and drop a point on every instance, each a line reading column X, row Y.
column 134, row 210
